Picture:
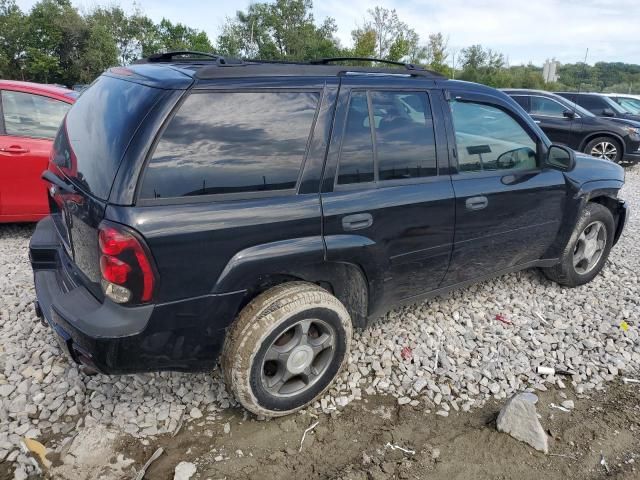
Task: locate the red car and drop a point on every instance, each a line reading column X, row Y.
column 30, row 115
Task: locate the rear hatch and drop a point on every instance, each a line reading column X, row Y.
column 85, row 159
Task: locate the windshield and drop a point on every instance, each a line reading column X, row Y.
column 97, row 131
column 583, row 112
column 631, row 105
column 614, row 106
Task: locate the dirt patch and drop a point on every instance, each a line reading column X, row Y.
column 362, row 442
column 355, row 443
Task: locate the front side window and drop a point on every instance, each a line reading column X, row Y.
column 29, row 115
column 232, row 143
column 546, row 107
column 488, row 138
column 402, row 132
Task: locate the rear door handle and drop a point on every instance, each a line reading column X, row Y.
column 537, row 121
column 476, row 203
column 357, row 221
column 14, row 149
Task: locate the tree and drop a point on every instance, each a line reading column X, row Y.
column 284, row 29
column 12, row 39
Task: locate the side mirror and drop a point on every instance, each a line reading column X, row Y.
column 608, row 112
column 569, row 114
column 561, row 158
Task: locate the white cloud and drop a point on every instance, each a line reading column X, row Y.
column 524, row 30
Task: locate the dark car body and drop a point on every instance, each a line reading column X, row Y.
column 376, row 235
column 600, row 105
column 571, row 125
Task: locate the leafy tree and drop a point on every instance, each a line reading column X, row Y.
column 12, row 39
column 284, row 29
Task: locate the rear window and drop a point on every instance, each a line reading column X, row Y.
column 221, row 143
column 98, row 129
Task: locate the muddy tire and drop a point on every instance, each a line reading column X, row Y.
column 588, row 248
column 285, row 348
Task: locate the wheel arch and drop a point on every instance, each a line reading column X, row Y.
column 594, row 135
column 259, row 268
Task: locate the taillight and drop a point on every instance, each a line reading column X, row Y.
column 125, row 264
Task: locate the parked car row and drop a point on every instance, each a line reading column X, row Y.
column 587, row 122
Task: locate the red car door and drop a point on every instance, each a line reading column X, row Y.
column 27, row 128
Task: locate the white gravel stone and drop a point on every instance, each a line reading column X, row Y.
column 460, row 353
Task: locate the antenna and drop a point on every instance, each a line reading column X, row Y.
column 584, row 70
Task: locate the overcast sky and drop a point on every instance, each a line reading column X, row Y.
column 524, row 30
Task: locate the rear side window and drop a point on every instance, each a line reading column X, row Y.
column 522, row 100
column 232, row 143
column 98, row 129
column 29, row 115
column 402, row 133
column 547, row 107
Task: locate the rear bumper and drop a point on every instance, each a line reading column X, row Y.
column 184, row 335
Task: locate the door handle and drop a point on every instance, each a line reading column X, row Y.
column 537, row 121
column 14, row 149
column 357, row 221
column 476, row 203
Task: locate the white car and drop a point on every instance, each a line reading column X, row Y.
column 630, row 102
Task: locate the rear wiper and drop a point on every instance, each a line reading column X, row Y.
column 51, row 177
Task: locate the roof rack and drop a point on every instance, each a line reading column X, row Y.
column 184, row 56
column 208, row 64
column 413, row 68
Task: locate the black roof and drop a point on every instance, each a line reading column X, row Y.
column 210, row 66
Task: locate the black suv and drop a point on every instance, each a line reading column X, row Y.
column 263, row 210
column 600, row 105
column 567, row 123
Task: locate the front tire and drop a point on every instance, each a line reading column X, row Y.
column 285, row 348
column 606, row 148
column 588, row 248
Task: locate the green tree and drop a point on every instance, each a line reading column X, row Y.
column 12, row 39
column 285, row 29
column 177, row 36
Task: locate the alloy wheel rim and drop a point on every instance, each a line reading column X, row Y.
column 605, row 150
column 589, row 247
column 298, row 358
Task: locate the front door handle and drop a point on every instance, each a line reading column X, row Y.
column 357, row 221
column 14, row 149
column 476, row 203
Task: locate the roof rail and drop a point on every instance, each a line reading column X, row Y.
column 187, row 56
column 415, row 69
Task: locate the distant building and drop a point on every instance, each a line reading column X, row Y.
column 549, row 71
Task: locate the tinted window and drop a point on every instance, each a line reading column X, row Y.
column 546, row 107
column 404, row 138
column 488, row 138
column 28, row 115
column 595, row 104
column 356, row 156
column 405, row 143
column 232, row 142
column 99, row 127
column 522, row 100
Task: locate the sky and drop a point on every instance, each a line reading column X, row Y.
column 523, row 30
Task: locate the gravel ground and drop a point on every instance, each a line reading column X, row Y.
column 449, row 353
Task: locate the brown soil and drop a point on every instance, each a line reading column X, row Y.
column 352, row 444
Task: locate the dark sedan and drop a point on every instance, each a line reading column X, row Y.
column 569, row 124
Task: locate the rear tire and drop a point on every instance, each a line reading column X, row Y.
column 607, row 148
column 285, row 348
column 588, row 248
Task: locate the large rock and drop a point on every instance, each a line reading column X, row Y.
column 184, row 471
column 519, row 419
